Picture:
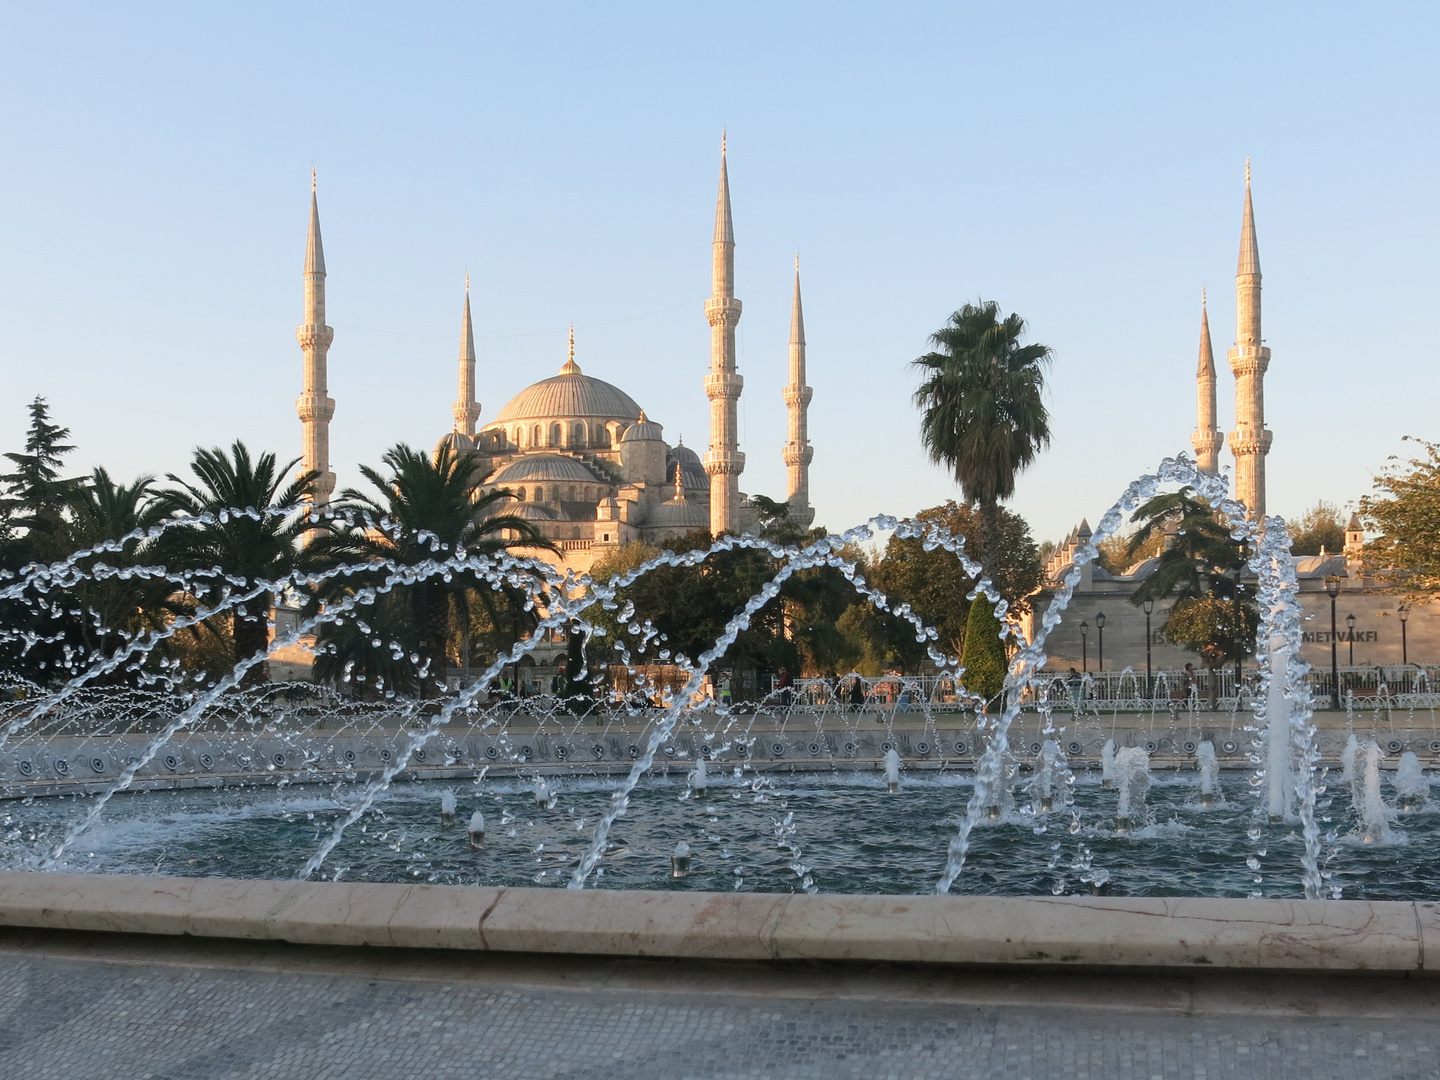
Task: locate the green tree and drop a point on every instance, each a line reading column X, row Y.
column 1317, row 528
column 116, row 609
column 1200, row 563
column 984, row 655
column 983, row 410
column 249, row 548
column 935, row 585
column 434, row 510
column 1406, row 513
column 34, row 492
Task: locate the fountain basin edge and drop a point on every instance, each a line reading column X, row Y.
column 1110, row 932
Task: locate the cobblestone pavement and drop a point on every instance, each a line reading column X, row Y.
column 76, row 1014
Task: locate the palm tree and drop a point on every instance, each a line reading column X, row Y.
column 433, row 511
column 256, row 546
column 115, row 609
column 984, row 417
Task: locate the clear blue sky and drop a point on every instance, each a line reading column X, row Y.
column 1080, row 164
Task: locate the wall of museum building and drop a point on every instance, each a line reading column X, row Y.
column 1377, row 632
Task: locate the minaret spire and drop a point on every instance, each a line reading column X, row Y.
column 1207, row 439
column 798, row 451
column 1249, row 360
column 315, row 405
column 466, row 408
column 570, row 367
column 723, row 461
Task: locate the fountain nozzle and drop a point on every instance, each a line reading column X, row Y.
column 1047, row 803
column 477, row 830
column 992, row 811
column 447, row 808
column 680, row 861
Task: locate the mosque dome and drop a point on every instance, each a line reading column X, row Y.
column 533, row 512
column 678, row 514
column 534, row 468
column 692, row 473
column 641, row 430
column 457, row 441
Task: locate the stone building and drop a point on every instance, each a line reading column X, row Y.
column 1376, row 637
column 579, row 455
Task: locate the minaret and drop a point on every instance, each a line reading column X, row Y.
column 798, row 450
column 466, row 408
column 315, row 405
column 1250, row 441
column 723, row 461
column 1207, row 439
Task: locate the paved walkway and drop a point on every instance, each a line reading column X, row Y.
column 76, row 1007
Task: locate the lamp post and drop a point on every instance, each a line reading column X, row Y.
column 1148, row 606
column 1404, row 614
column 1084, row 652
column 1100, row 653
column 1350, row 633
column 1332, row 590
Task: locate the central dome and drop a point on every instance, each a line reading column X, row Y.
column 570, row 395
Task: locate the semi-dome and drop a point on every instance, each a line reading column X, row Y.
column 692, row 473
column 539, row 467
column 533, row 512
column 570, row 395
column 642, row 430
column 678, row 514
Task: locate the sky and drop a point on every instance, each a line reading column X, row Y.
column 1082, row 165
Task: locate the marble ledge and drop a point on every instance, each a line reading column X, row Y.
column 1277, row 935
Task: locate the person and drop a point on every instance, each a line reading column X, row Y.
column 725, row 689
column 904, row 701
column 1189, row 683
column 1077, row 685
column 784, row 683
column 857, row 694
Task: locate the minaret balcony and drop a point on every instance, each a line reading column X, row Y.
column 795, row 454
column 797, row 395
column 313, row 336
column 724, row 384
column 1245, row 444
column 724, row 462
column 313, row 407
column 722, row 310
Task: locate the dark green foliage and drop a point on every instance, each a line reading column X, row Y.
column 1319, row 527
column 984, row 655
column 984, row 416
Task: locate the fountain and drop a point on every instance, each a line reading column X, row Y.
column 1209, row 769
column 476, row 832
column 1374, row 828
column 892, row 770
column 353, row 756
column 1347, row 761
column 1132, row 778
column 1412, row 788
column 1049, row 767
column 699, row 781
column 680, row 861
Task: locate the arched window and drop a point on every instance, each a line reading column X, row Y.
column 557, row 435
column 575, row 533
column 539, row 494
column 520, row 494
column 535, row 441
column 577, row 436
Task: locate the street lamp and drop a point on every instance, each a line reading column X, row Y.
column 1084, row 652
column 1332, row 590
column 1100, row 655
column 1148, row 606
column 1404, row 614
column 1350, row 631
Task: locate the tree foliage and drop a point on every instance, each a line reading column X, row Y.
column 1319, row 527
column 983, row 413
column 1406, row 513
column 984, row 656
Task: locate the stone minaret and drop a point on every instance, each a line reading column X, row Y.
column 1250, row 441
column 466, row 408
column 723, row 461
column 798, row 450
column 315, row 405
column 1207, row 439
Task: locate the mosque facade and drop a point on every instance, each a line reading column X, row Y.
column 579, row 456
column 1102, row 629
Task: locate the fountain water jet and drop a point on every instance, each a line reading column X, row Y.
column 447, row 808
column 1412, row 788
column 1374, row 828
column 1107, row 764
column 892, row 770
column 476, row 831
column 1132, row 778
column 1209, row 773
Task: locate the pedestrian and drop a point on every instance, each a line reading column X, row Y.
column 857, row 694
column 1077, row 687
column 784, row 683
column 725, row 690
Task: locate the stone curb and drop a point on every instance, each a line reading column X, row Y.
column 1275, row 935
